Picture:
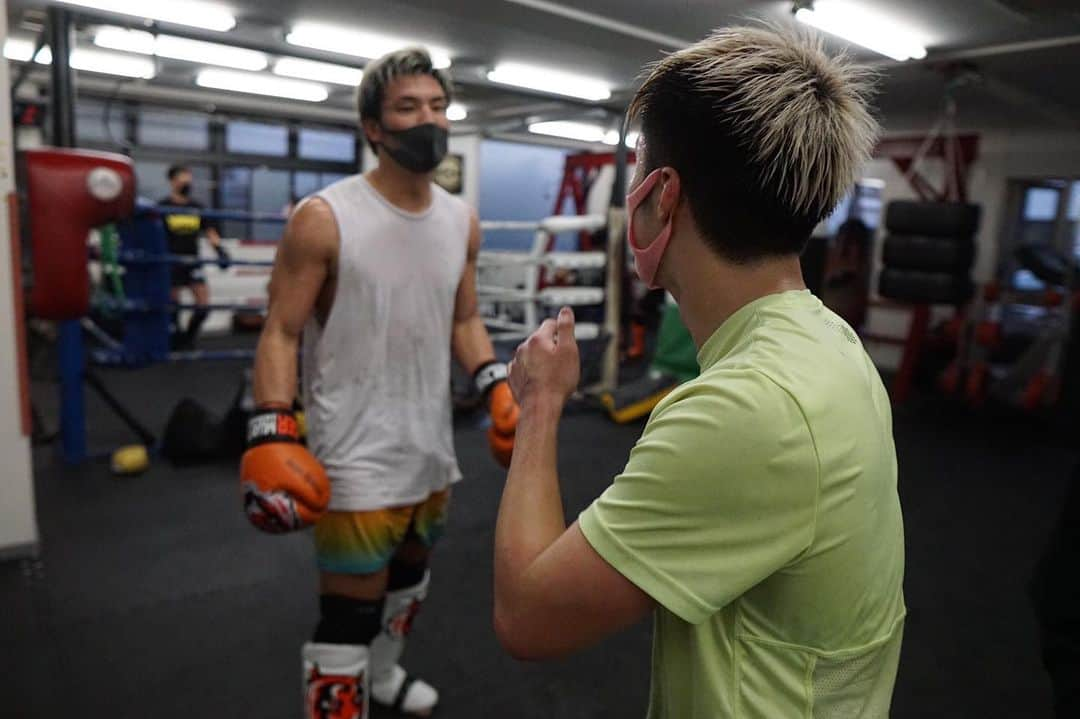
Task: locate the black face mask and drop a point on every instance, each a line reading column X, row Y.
column 184, row 190
column 420, row 148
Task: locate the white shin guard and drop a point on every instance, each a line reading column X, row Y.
column 336, row 683
column 389, row 683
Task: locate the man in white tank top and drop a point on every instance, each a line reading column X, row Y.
column 377, row 275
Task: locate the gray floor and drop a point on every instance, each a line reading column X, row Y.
column 153, row 597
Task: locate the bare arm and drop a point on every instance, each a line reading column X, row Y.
column 470, row 342
column 305, row 260
column 214, row 236
column 553, row 593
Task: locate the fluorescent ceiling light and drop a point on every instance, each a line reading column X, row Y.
column 611, row 137
column 117, row 38
column 209, row 16
column 571, row 130
column 552, row 81
column 261, row 84
column 112, row 63
column 20, row 50
column 318, row 71
column 358, row 43
column 856, row 24
column 178, row 48
column 456, row 112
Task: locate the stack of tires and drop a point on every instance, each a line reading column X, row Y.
column 929, row 252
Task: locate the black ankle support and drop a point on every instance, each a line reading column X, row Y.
column 344, row 620
column 404, row 574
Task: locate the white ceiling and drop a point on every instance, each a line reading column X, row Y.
column 1029, row 89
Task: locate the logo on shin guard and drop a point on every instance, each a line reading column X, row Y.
column 331, row 696
column 272, row 512
column 401, row 623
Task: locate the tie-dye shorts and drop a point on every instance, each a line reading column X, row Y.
column 364, row 542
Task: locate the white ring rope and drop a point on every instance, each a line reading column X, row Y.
column 512, row 278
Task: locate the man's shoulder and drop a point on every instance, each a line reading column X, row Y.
column 739, row 391
column 459, row 205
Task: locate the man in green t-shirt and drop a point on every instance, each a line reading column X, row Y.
column 757, row 517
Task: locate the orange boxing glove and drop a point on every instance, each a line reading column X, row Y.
column 490, row 381
column 285, row 488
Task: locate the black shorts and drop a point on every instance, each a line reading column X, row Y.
column 186, row 275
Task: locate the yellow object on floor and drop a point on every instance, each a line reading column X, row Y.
column 132, row 459
column 635, row 400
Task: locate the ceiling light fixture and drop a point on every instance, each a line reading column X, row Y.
column 550, row 81
column 19, row 50
column 358, row 43
column 178, row 48
column 581, row 131
column 318, row 71
column 456, row 112
column 112, row 63
column 209, row 16
column 863, row 27
column 261, row 84
column 611, row 137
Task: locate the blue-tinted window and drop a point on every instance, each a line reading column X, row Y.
column 329, row 178
column 90, row 122
column 331, row 145
column 1041, row 204
column 236, row 195
column 168, row 128
column 269, row 195
column 1074, row 202
column 256, row 138
column 152, row 183
column 307, row 183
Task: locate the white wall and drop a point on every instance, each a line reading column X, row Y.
column 1002, row 156
column 18, row 521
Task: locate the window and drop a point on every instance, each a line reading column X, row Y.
column 153, row 184
column 305, row 183
column 1073, row 211
column 1047, row 216
column 90, row 123
column 236, row 195
column 270, row 193
column 256, row 138
column 1041, row 204
column 330, row 145
column 174, row 130
column 308, row 183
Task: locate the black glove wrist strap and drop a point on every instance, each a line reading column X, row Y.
column 272, row 425
column 488, row 375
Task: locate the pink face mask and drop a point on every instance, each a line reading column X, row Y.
column 646, row 260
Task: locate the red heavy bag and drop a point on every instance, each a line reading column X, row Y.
column 70, row 192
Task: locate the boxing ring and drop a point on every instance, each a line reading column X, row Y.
column 72, row 192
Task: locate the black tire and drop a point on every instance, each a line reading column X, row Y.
column 929, row 254
column 932, row 219
column 925, row 287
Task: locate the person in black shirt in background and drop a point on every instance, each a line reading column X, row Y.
column 182, row 232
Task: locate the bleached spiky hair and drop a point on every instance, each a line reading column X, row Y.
column 771, row 106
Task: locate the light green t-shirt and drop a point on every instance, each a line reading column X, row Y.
column 759, row 509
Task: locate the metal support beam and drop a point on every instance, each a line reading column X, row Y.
column 616, row 267
column 62, row 90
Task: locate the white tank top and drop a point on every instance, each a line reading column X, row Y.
column 376, row 376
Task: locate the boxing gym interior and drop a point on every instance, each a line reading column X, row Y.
column 131, row 581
